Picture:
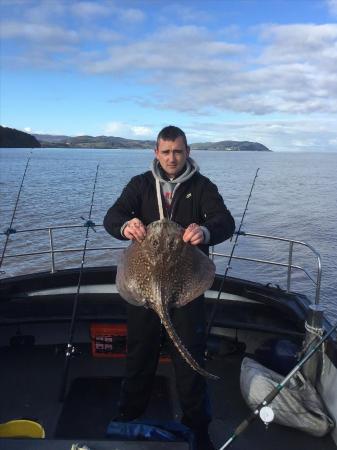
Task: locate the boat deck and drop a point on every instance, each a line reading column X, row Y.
column 91, row 402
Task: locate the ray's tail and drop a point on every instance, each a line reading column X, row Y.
column 166, row 321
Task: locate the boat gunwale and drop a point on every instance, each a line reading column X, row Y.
column 267, row 295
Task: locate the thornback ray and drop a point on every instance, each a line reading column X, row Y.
column 163, row 272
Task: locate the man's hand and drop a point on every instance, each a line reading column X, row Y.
column 135, row 230
column 193, row 234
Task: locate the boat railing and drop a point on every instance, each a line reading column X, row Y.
column 52, row 251
column 316, row 281
column 289, row 265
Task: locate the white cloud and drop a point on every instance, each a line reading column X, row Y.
column 122, row 129
column 294, row 72
column 314, row 44
column 36, row 32
column 44, row 11
column 290, row 70
column 86, row 10
column 332, row 6
column 89, row 10
column 131, row 15
column 142, row 131
column 278, row 135
column 30, row 130
column 198, row 57
column 185, row 12
column 106, row 35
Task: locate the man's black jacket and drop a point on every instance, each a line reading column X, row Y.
column 197, row 200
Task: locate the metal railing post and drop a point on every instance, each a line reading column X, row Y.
column 51, row 243
column 290, row 262
column 318, row 282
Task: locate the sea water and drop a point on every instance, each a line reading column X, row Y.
column 294, row 197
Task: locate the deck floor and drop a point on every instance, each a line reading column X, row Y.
column 31, row 381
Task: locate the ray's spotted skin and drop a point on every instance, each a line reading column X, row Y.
column 162, row 272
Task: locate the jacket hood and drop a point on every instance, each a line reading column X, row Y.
column 191, row 167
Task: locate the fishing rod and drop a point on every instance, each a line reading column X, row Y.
column 238, row 233
column 274, row 393
column 70, row 349
column 11, row 230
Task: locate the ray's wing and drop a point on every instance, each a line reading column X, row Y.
column 196, row 273
column 129, row 280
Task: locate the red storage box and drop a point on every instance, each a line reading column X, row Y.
column 108, row 340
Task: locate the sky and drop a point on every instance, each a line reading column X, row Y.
column 247, row 70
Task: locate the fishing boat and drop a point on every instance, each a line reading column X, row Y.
column 61, row 366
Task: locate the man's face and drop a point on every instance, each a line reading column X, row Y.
column 172, row 155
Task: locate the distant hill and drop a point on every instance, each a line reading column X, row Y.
column 232, row 146
column 92, row 142
column 11, row 138
column 47, row 140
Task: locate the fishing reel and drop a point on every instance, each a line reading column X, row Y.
column 267, row 415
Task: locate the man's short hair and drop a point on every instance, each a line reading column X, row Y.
column 171, row 133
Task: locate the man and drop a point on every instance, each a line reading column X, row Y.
column 194, row 202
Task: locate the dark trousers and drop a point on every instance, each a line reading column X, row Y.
column 144, row 341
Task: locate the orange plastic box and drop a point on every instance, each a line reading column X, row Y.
column 108, row 340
